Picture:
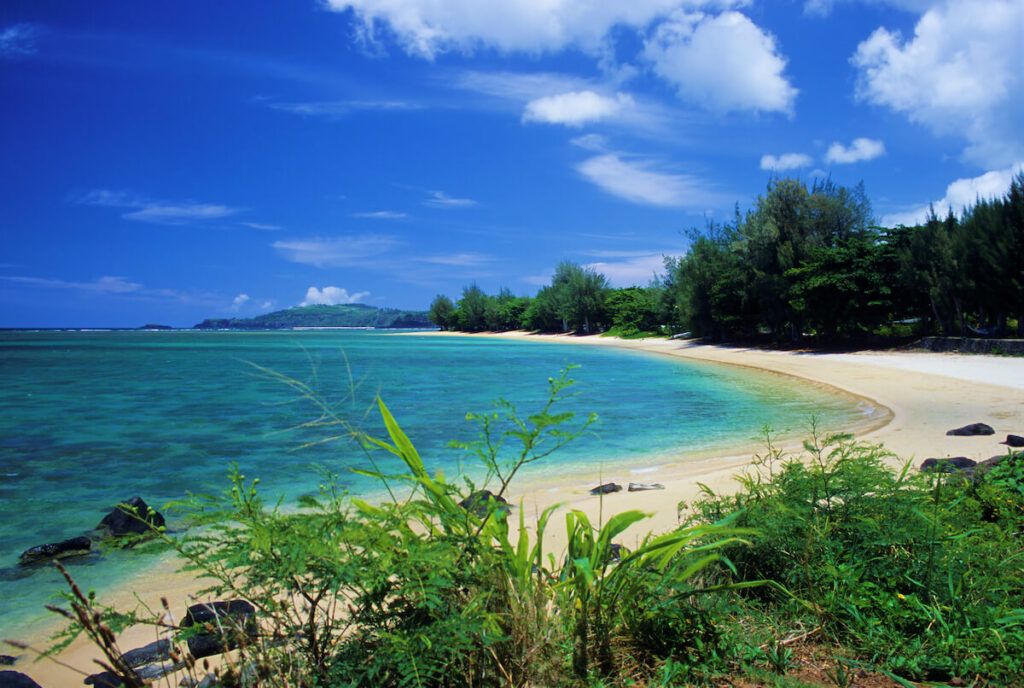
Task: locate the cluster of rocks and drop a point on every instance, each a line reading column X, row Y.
column 222, row 626
column 964, row 466
column 609, row 488
column 130, row 518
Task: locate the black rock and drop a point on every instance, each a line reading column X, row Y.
column 8, row 660
column 156, row 651
column 481, row 501
column 226, row 624
column 615, row 552
column 106, row 679
column 75, row 547
column 607, row 488
column 1013, row 441
column 957, row 463
column 972, row 430
column 15, row 679
column 120, row 522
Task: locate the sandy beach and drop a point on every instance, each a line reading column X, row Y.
column 914, row 398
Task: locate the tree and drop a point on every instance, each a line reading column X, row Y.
column 472, row 309
column 442, row 312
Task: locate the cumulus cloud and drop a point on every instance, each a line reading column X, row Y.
column 337, row 251
column 860, row 150
column 638, row 182
column 722, row 63
column 576, row 108
column 786, row 161
column 959, row 75
column 239, row 301
column 331, row 296
column 141, row 209
column 959, row 195
column 427, row 27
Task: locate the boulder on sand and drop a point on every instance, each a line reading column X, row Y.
column 953, row 465
column 15, row 679
column 972, row 430
column 606, row 488
column 1013, row 441
column 43, row 554
column 131, row 517
column 640, row 487
column 481, row 501
column 226, row 624
column 156, row 651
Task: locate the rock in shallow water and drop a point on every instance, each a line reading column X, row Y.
column 120, row 522
column 42, row 554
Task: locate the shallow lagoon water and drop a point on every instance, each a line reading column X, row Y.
column 91, row 418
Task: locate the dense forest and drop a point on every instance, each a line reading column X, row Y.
column 802, row 263
column 341, row 315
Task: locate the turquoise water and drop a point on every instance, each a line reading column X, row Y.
column 92, row 418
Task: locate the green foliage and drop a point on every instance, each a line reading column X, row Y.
column 920, row 574
column 442, row 312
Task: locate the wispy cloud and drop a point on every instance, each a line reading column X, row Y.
column 381, row 215
column 338, row 251
column 142, row 209
column 19, row 40
column 102, row 285
column 439, row 199
column 333, row 109
column 639, row 181
column 262, row 226
column 331, row 296
column 633, row 270
column 457, row 259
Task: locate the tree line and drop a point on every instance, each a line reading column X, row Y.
column 804, row 262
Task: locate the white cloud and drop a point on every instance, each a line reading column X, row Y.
column 638, row 182
column 722, row 63
column 333, row 109
column 239, row 301
column 428, row 27
column 18, row 40
column 457, row 259
column 266, row 305
column 959, row 75
column 786, row 161
column 381, row 215
column 631, row 271
column 103, row 285
column 331, row 296
column 860, row 150
column 959, row 195
column 339, row 251
column 591, row 142
column 262, row 226
column 576, row 108
column 439, row 199
column 157, row 212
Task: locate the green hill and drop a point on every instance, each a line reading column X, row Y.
column 349, row 315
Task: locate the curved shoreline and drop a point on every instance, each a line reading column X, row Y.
column 918, row 407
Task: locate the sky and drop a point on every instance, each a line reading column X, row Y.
column 169, row 162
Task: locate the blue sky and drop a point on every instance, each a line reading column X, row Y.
column 167, row 162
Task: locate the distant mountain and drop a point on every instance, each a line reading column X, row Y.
column 349, row 315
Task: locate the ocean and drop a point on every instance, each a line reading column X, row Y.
column 92, row 418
